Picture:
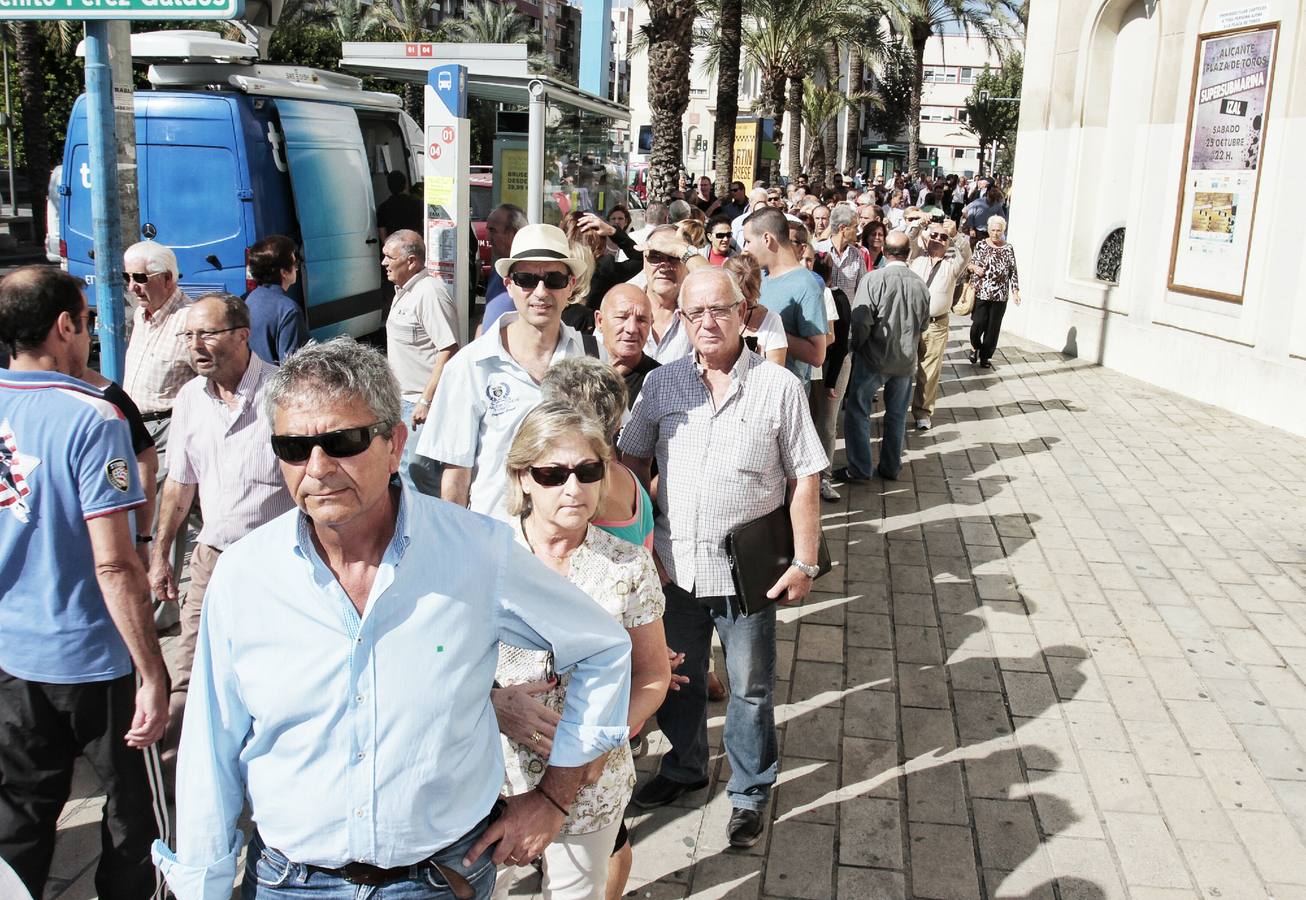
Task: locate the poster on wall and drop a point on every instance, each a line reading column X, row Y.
column 1227, row 118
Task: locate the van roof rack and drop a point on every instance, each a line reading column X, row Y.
column 203, row 59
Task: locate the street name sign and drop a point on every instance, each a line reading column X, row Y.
column 186, row 10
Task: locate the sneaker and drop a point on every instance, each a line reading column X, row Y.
column 923, row 423
column 828, row 493
column 973, row 357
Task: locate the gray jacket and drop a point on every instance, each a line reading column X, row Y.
column 890, row 311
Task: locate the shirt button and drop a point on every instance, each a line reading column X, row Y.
column 360, row 755
column 359, row 812
column 358, row 699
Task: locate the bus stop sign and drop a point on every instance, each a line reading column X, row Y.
column 185, row 10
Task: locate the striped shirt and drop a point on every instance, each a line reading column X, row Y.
column 848, row 268
column 228, row 453
column 720, row 466
column 158, row 360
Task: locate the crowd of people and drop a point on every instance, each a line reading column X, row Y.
column 439, row 593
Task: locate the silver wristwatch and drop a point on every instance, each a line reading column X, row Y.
column 809, row 571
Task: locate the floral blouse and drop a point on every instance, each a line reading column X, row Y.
column 621, row 578
column 999, row 264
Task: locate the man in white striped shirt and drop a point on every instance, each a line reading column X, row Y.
column 221, row 448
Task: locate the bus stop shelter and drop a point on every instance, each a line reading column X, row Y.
column 576, row 143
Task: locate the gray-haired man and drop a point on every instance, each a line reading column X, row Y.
column 370, row 669
column 732, row 435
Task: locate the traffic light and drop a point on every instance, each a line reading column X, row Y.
column 983, row 96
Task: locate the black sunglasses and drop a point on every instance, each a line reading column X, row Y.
column 556, row 476
column 657, row 257
column 296, row 448
column 527, row 281
column 138, row 277
column 722, row 236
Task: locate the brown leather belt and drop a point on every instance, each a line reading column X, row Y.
column 942, row 315
column 363, row 873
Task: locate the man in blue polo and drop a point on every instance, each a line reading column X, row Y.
column 789, row 291
column 80, row 668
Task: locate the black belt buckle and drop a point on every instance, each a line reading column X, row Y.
column 362, row 873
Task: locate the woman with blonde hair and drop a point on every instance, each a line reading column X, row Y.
column 763, row 331
column 694, row 233
column 993, row 273
column 556, row 469
column 591, row 232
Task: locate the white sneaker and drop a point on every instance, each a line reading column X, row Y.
column 828, row 493
column 923, row 424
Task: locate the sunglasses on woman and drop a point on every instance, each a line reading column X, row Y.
column 553, row 281
column 556, row 476
column 296, row 448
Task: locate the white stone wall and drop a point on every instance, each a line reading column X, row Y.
column 1103, row 124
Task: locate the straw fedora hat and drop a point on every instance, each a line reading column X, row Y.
column 540, row 243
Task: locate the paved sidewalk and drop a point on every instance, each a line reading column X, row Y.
column 1062, row 657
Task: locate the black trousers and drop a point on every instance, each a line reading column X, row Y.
column 43, row 729
column 985, row 326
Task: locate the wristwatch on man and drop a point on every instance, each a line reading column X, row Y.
column 809, row 571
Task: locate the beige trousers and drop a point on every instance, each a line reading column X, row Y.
column 202, row 560
column 929, row 365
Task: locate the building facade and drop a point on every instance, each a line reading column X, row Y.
column 1151, row 227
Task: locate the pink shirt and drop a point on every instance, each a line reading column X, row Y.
column 228, row 453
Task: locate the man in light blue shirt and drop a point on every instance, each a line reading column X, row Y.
column 344, row 665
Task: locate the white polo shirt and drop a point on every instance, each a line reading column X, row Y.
column 482, row 398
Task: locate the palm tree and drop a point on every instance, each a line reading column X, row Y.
column 920, row 20
column 863, row 35
column 489, row 22
column 782, row 39
column 729, row 40
column 29, row 41
column 355, row 21
column 822, row 104
column 405, row 20
column 671, row 32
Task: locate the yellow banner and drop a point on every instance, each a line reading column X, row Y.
column 745, row 167
column 512, row 171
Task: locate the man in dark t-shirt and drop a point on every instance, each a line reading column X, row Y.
column 400, row 211
column 625, row 319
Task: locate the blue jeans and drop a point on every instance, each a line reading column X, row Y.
column 750, row 741
column 270, row 876
column 418, row 472
column 862, row 387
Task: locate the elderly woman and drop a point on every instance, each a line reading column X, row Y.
column 993, row 272
column 763, row 329
column 557, row 466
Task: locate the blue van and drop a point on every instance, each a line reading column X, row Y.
column 228, row 153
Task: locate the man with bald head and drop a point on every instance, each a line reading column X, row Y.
column 221, row 449
column 624, row 320
column 890, row 312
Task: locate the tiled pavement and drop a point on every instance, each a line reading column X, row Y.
column 1064, row 656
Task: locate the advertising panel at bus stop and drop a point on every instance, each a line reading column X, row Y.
column 448, row 204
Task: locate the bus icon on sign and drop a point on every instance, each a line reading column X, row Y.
column 445, row 81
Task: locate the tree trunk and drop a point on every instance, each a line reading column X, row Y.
column 29, row 45
column 727, row 94
column 794, row 110
column 830, row 133
column 669, row 53
column 853, row 131
column 775, row 99
column 914, row 112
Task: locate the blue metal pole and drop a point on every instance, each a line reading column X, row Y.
column 104, row 202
